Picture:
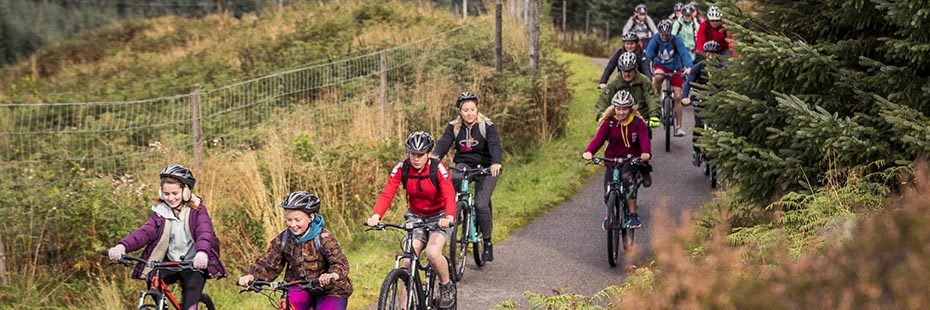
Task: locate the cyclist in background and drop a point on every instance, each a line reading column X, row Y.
column 631, row 45
column 700, row 76
column 685, row 28
column 676, row 11
column 430, row 199
column 713, row 30
column 625, row 135
column 697, row 16
column 640, row 24
column 476, row 142
column 635, row 83
column 669, row 55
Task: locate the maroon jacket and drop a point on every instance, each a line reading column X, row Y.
column 622, row 139
column 201, row 228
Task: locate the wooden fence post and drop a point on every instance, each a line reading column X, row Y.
column 382, row 92
column 498, row 38
column 196, row 129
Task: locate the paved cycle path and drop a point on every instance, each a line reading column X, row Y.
column 566, row 248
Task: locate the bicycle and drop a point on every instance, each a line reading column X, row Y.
column 617, row 209
column 419, row 295
column 668, row 109
column 468, row 233
column 158, row 290
column 312, row 286
column 709, row 169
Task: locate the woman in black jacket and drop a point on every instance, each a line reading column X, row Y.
column 476, row 143
column 630, row 44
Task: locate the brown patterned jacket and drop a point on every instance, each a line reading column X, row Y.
column 304, row 261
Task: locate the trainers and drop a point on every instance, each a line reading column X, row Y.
column 647, row 179
column 634, row 221
column 488, row 254
column 679, row 132
column 604, row 224
column 446, row 295
column 696, row 160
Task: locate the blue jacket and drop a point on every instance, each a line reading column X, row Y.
column 669, row 54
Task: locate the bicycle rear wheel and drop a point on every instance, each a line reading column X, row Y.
column 458, row 244
column 713, row 176
column 395, row 291
column 477, row 251
column 613, row 238
column 669, row 120
column 628, row 236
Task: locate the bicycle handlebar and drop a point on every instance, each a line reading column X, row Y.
column 473, row 171
column 407, row 226
column 619, row 161
column 313, row 286
column 127, row 260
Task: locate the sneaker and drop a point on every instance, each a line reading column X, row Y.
column 604, row 224
column 488, row 255
column 647, row 179
column 446, row 295
column 679, row 132
column 696, row 160
column 634, row 221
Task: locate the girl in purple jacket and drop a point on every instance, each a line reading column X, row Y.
column 179, row 229
column 626, row 134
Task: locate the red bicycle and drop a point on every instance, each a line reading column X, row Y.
column 312, row 286
column 158, row 296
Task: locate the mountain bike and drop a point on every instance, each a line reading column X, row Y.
column 668, row 109
column 465, row 231
column 618, row 211
column 158, row 296
column 709, row 169
column 283, row 287
column 414, row 292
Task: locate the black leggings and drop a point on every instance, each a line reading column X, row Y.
column 192, row 283
column 484, row 188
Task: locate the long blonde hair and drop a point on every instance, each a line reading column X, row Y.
column 457, row 123
column 610, row 112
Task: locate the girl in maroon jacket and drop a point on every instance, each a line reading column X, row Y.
column 179, row 229
column 626, row 135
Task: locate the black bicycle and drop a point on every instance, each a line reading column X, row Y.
column 668, row 110
column 283, row 287
column 403, row 288
column 465, row 231
column 158, row 296
column 618, row 211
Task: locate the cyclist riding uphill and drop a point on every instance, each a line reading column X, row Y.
column 305, row 251
column 178, row 229
column 636, row 84
column 640, row 24
column 676, row 11
column 669, row 55
column 476, row 143
column 630, row 45
column 685, row 28
column 430, row 199
column 625, row 135
column 713, row 30
column 700, row 76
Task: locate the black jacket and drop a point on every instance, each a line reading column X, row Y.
column 642, row 64
column 483, row 151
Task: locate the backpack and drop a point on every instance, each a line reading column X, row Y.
column 482, row 127
column 316, row 242
column 433, row 170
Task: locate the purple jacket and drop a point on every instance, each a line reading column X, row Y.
column 201, row 228
column 618, row 136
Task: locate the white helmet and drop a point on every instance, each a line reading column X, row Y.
column 622, row 99
column 714, row 13
column 626, row 61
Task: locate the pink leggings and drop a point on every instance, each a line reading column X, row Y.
column 302, row 300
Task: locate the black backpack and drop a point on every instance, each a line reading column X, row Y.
column 433, row 170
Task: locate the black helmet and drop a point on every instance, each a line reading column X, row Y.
column 630, row 36
column 640, row 9
column 678, row 6
column 627, row 61
column 465, row 96
column 711, row 46
column 665, row 27
column 419, row 142
column 180, row 173
column 694, row 5
column 303, row 201
column 687, row 10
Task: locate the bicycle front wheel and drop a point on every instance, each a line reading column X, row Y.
column 668, row 108
column 613, row 238
column 396, row 293
column 458, row 244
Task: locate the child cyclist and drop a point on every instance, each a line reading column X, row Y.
column 625, row 134
column 431, row 199
column 305, row 251
column 179, row 229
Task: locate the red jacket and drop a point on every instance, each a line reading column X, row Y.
column 708, row 32
column 423, row 198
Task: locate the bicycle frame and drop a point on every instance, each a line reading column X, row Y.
column 423, row 294
column 616, row 185
column 466, row 194
column 158, row 289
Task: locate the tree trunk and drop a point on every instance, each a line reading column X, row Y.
column 534, row 35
